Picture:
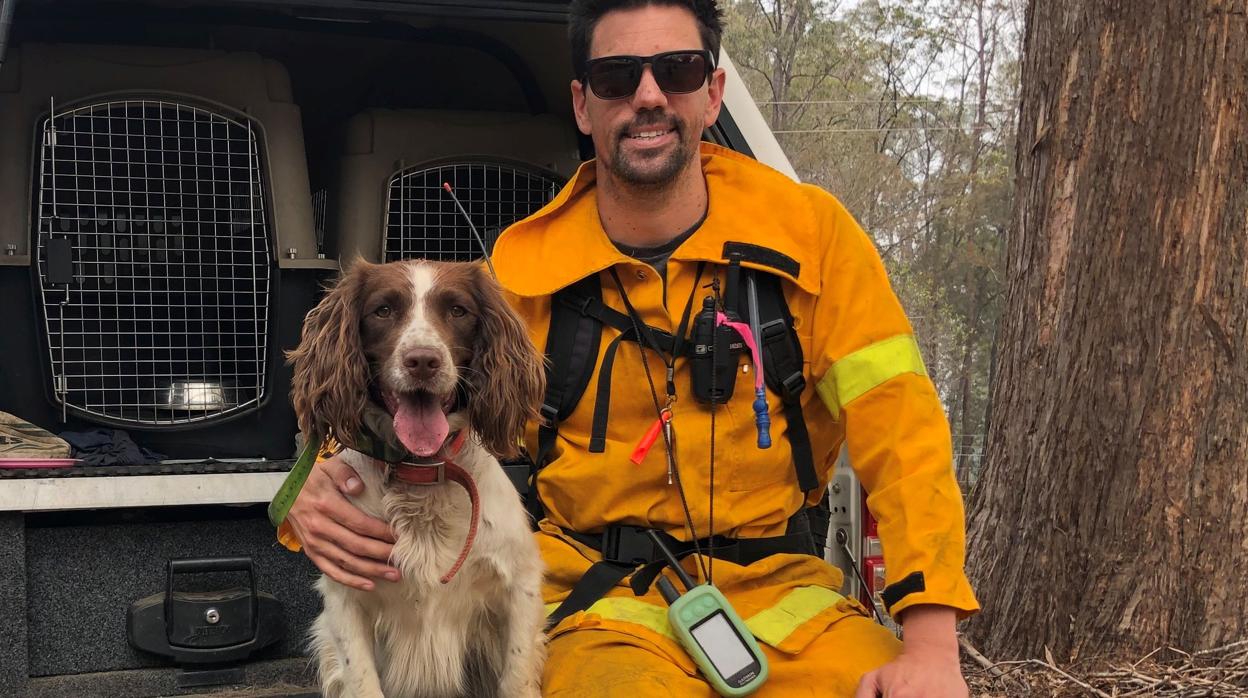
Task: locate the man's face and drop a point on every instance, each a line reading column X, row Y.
column 648, row 138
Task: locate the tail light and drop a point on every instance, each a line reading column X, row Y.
column 872, row 559
column 873, row 567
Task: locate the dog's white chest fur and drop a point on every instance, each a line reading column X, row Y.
column 478, row 635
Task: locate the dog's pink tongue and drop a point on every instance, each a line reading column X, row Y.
column 421, row 425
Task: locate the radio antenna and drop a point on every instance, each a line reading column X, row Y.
column 480, row 241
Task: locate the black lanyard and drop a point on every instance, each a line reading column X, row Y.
column 646, row 334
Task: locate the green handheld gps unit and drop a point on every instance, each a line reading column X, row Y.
column 712, row 633
column 719, row 643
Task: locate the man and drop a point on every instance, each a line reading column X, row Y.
column 650, row 217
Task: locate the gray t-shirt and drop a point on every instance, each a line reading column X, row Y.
column 658, row 255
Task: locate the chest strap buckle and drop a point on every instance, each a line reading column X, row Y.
column 627, row 545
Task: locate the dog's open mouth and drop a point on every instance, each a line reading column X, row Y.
column 419, row 420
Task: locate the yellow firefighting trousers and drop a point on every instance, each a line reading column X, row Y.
column 602, row 663
column 817, row 642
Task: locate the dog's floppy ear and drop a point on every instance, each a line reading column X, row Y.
column 329, row 389
column 508, row 379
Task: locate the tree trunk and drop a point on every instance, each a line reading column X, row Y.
column 1113, row 514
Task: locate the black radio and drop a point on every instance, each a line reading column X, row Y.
column 717, row 368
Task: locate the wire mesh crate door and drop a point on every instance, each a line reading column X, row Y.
column 165, row 319
column 423, row 222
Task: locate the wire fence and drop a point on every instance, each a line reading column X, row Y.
column 968, row 458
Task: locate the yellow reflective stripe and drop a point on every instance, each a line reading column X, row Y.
column 634, row 611
column 869, row 367
column 771, row 626
column 631, row 611
column 799, row 606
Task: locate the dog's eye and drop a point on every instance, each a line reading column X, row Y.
column 458, row 311
column 383, row 312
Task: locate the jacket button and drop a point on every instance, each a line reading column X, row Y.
column 641, row 274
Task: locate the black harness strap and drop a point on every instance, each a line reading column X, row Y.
column 732, row 282
column 605, row 314
column 593, row 585
column 762, row 256
column 782, row 371
column 782, row 352
column 602, row 400
column 572, row 349
column 665, row 343
column 577, row 318
column 628, row 550
column 576, row 321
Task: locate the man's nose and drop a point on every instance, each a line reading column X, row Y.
column 648, row 94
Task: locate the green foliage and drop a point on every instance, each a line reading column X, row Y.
column 904, row 109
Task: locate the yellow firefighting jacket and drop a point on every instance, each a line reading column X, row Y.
column 870, row 391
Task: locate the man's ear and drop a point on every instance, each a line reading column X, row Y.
column 579, row 108
column 715, row 96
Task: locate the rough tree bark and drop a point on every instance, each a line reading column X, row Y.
column 1113, row 514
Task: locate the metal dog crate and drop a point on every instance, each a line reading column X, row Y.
column 154, row 260
column 423, row 221
column 388, row 198
column 157, row 195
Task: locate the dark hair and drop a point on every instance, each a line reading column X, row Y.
column 583, row 16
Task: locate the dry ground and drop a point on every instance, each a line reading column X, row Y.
column 1167, row 673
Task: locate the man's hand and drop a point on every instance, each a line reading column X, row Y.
column 349, row 546
column 928, row 666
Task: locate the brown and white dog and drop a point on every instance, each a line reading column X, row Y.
column 438, row 349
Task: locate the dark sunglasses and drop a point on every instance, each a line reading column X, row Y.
column 675, row 72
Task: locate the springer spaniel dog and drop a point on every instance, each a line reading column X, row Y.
column 408, row 365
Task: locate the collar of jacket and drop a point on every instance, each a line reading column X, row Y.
column 749, row 202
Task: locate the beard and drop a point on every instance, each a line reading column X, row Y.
column 657, row 169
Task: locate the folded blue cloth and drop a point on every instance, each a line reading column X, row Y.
column 109, row 447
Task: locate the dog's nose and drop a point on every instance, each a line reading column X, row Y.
column 422, row 363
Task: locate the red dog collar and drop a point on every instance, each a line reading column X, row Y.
column 439, row 472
